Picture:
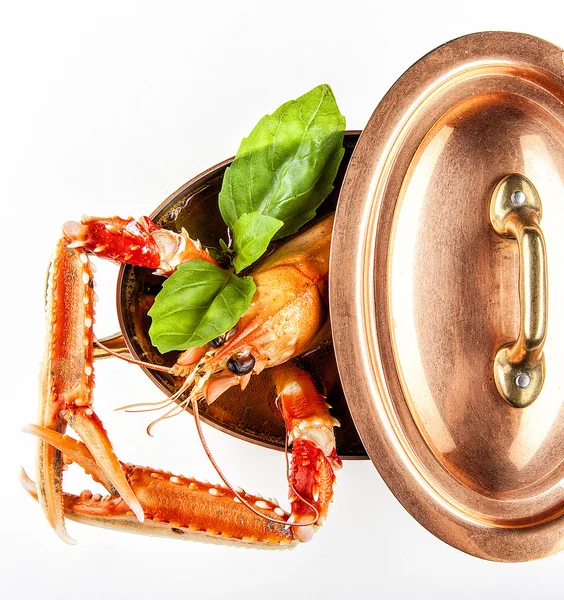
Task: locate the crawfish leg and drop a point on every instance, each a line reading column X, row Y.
column 174, row 506
column 67, row 381
column 314, row 458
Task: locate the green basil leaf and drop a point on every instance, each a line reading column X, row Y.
column 198, row 302
column 252, row 233
column 286, row 167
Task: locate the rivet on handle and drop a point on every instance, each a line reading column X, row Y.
column 515, row 213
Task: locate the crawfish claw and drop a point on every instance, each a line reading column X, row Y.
column 174, row 505
column 67, row 381
column 90, row 429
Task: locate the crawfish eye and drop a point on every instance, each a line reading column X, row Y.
column 241, row 364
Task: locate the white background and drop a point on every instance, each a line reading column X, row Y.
column 109, row 107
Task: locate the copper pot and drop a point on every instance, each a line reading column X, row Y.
column 446, row 322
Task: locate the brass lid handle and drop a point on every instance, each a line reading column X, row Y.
column 515, row 213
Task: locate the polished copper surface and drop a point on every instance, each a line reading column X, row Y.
column 250, row 414
column 431, row 293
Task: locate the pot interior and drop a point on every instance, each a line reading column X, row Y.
column 250, row 414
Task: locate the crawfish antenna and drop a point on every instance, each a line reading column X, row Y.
column 132, row 360
column 230, row 487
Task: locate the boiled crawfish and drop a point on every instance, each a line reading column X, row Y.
column 287, row 312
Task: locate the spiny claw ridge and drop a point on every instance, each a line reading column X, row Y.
column 75, row 451
column 92, row 432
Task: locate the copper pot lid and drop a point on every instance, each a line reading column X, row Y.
column 447, row 324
